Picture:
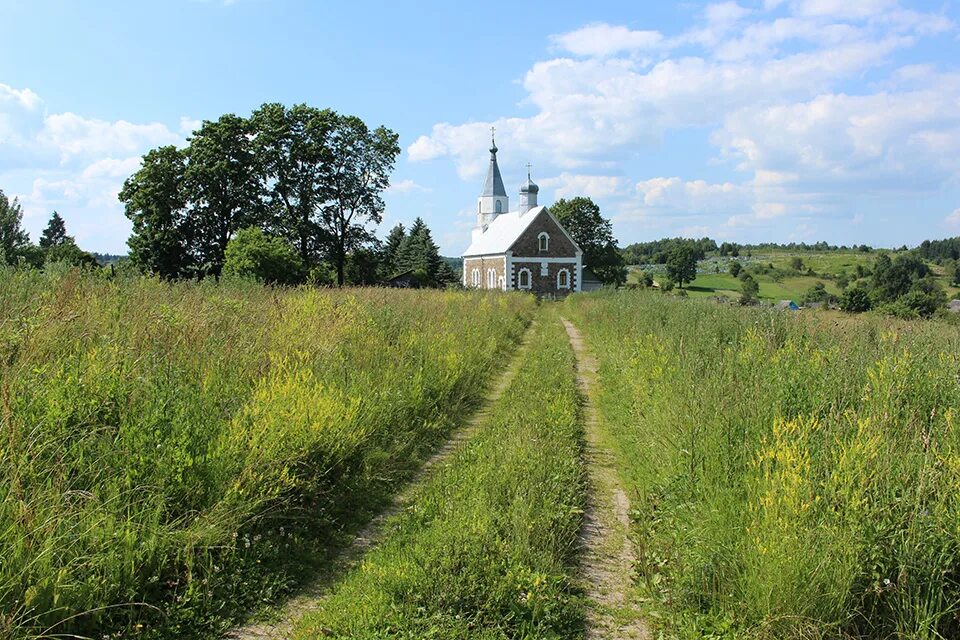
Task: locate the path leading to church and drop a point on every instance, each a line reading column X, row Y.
column 608, row 554
column 279, row 626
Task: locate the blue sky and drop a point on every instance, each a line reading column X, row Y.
column 777, row 120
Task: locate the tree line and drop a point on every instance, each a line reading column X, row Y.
column 54, row 245
column 311, row 178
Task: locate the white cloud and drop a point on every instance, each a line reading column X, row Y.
column 568, row 185
column 602, row 39
column 953, row 220
column 73, row 164
column 406, row 186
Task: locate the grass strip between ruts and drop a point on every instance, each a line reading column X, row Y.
column 487, row 548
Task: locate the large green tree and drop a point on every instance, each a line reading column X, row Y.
column 292, row 155
column 682, row 263
column 419, row 253
column 357, row 173
column 155, row 202
column 222, row 187
column 582, row 219
column 14, row 240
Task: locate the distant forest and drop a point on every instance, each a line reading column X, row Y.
column 658, row 251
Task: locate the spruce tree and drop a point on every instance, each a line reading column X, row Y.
column 55, row 234
column 391, row 250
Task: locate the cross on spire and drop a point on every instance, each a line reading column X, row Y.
column 528, row 170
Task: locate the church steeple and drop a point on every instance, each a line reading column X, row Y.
column 493, row 200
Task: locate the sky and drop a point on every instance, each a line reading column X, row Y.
column 772, row 120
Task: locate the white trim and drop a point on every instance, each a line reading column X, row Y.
column 541, row 245
column 535, row 259
column 529, row 278
column 475, row 277
column 501, row 283
column 508, row 271
column 544, row 269
column 563, row 272
column 491, row 278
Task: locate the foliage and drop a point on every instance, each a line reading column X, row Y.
column 312, row 177
column 748, row 288
column 795, row 476
column 855, row 300
column 14, row 241
column 487, row 548
column 253, row 254
column 360, row 164
column 817, row 293
column 735, row 268
column 155, row 202
column 593, row 233
column 682, row 263
column 55, row 234
column 658, row 251
column 173, row 445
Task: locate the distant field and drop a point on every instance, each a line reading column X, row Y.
column 827, row 266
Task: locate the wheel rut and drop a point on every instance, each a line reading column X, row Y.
column 280, row 626
column 608, row 553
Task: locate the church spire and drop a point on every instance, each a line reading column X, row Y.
column 494, row 183
column 493, row 200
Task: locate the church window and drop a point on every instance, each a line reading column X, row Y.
column 501, row 283
column 544, row 239
column 563, row 279
column 523, row 279
column 491, row 278
column 499, row 206
column 476, row 277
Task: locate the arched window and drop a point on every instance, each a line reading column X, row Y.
column 544, row 239
column 491, row 278
column 475, row 274
column 563, row 279
column 501, row 284
column 499, row 206
column 523, row 279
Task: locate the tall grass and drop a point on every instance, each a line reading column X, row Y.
column 486, row 548
column 794, row 475
column 166, row 449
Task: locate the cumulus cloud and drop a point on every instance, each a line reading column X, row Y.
column 953, row 220
column 73, row 164
column 779, row 89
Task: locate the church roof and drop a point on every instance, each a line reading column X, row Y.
column 494, row 183
column 502, row 233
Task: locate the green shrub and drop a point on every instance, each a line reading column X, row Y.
column 255, row 255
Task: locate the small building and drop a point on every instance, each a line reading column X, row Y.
column 405, row 280
column 522, row 250
column 787, row 305
column 953, row 306
column 589, row 280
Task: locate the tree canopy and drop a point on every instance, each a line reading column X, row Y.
column 682, row 263
column 312, row 177
column 253, row 254
column 594, row 235
column 14, row 240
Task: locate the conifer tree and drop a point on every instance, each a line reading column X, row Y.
column 391, row 250
column 55, row 234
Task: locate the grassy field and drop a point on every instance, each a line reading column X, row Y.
column 827, row 265
column 792, row 476
column 174, row 455
column 488, row 548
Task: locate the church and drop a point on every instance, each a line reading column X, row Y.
column 522, row 250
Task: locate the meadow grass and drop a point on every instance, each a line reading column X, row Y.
column 793, row 476
column 487, row 547
column 171, row 454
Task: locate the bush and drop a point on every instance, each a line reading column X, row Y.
column 735, row 268
column 255, row 255
column 855, row 300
